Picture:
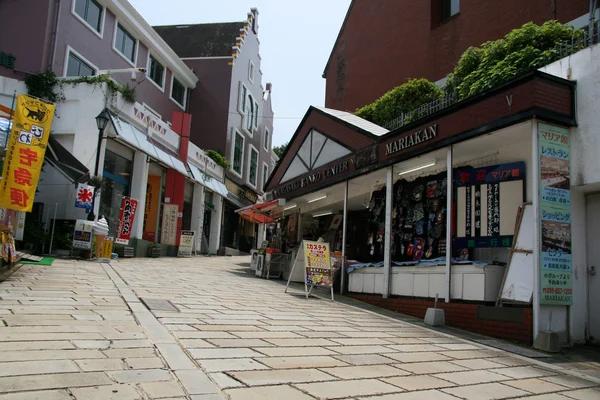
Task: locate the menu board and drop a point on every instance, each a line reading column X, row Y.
column 107, row 247
column 82, row 237
column 317, row 264
column 186, row 243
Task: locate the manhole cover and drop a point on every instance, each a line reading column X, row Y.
column 159, row 305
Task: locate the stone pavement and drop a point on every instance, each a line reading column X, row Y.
column 81, row 330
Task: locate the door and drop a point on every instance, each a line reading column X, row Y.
column 593, row 249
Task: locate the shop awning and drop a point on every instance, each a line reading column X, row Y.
column 65, row 162
column 261, row 213
column 208, row 181
column 138, row 139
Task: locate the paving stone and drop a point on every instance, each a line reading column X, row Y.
column 409, row 348
column 569, row 381
column 232, row 364
column 418, row 382
column 47, row 345
column 52, row 381
column 140, row 375
column 229, row 328
column 301, row 342
column 365, row 371
column 459, row 346
column 364, row 359
column 548, row 396
column 432, row 367
column 112, row 392
column 267, row 393
column 417, row 357
column 510, row 361
column 196, row 382
column 144, row 363
column 157, row 390
column 346, row 389
column 50, row 355
column 523, row 372
column 175, row 357
column 37, row 367
column 467, row 354
column 224, row 381
column 200, row 354
column 301, row 362
column 195, row 343
column 110, row 364
column 295, row 351
column 38, row 395
column 272, row 377
column 583, row 394
column 487, row 391
column 130, row 353
column 477, row 364
column 472, row 377
column 535, row 385
column 130, row 344
column 91, row 344
column 196, row 334
column 361, row 341
column 421, row 395
column 361, row 349
column 269, row 335
column 240, row 343
column 404, row 340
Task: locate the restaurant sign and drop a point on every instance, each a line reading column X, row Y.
column 414, row 138
column 311, row 179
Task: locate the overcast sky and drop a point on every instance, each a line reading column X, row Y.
column 296, row 39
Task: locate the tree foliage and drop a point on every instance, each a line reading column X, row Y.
column 522, row 50
column 280, row 149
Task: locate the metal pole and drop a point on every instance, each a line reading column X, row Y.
column 53, row 225
column 344, row 227
column 449, row 189
column 535, row 165
column 387, row 262
column 91, row 215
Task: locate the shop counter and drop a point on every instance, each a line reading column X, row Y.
column 469, row 282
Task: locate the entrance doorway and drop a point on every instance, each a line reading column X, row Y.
column 593, row 249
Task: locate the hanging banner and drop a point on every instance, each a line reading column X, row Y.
column 168, row 235
column 25, row 153
column 107, row 247
column 555, row 215
column 186, row 243
column 85, row 196
column 128, row 208
column 151, row 209
column 317, row 264
column 82, row 237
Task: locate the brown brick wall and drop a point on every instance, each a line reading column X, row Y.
column 459, row 315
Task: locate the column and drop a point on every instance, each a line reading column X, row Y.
column 387, row 257
column 449, row 189
column 215, row 224
column 139, row 181
column 198, row 214
column 535, row 167
column 344, row 228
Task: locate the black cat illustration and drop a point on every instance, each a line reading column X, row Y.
column 38, row 115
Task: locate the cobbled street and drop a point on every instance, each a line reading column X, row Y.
column 205, row 328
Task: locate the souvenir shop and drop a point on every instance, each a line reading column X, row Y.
column 434, row 209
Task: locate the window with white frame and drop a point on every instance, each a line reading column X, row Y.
column 238, row 153
column 255, row 115
column 253, row 167
column 266, row 139
column 265, row 174
column 125, row 43
column 249, row 114
column 243, row 92
column 77, row 67
column 251, row 71
column 156, row 72
column 178, row 92
column 91, row 12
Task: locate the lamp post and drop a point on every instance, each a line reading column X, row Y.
column 101, row 122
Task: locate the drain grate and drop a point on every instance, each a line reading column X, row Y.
column 159, row 305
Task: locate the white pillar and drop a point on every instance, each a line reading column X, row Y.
column 139, row 182
column 215, row 224
column 449, row 188
column 198, row 214
column 535, row 161
column 344, row 227
column 387, row 256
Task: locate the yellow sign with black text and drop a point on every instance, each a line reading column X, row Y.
column 25, row 153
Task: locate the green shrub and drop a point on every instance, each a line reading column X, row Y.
column 218, row 158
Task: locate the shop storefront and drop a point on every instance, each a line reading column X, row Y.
column 239, row 235
column 432, row 209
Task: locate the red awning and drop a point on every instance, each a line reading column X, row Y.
column 261, row 213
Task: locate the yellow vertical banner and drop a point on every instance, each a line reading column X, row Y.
column 25, row 153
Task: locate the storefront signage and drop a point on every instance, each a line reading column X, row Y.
column 82, row 236
column 128, row 208
column 7, row 60
column 85, row 195
column 240, row 192
column 317, row 263
column 555, row 215
column 168, row 234
column 186, row 243
column 151, row 209
column 107, row 247
column 414, row 138
column 311, row 179
column 25, row 153
column 494, row 173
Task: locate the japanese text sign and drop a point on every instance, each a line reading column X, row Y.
column 128, row 208
column 317, row 264
column 492, row 174
column 186, row 243
column 85, row 196
column 107, row 246
column 25, row 153
column 168, row 234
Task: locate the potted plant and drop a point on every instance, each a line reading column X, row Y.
column 154, row 250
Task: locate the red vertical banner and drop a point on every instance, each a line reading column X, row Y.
column 128, row 208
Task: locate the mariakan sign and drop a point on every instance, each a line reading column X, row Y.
column 311, row 179
column 414, row 138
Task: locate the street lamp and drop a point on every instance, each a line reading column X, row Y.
column 101, row 122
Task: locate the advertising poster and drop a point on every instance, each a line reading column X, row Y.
column 169, row 224
column 128, row 208
column 25, row 153
column 186, row 243
column 82, row 237
column 317, row 263
column 151, row 209
column 555, row 215
column 85, row 196
column 107, row 247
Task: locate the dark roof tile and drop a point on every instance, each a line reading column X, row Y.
column 201, row 40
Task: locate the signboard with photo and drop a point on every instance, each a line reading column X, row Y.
column 82, row 237
column 317, row 264
column 186, row 243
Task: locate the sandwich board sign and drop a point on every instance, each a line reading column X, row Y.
column 317, row 267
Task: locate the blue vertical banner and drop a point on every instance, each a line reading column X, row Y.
column 555, row 215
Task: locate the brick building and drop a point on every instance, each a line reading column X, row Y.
column 383, row 43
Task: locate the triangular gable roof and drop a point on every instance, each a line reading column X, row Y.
column 342, row 130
